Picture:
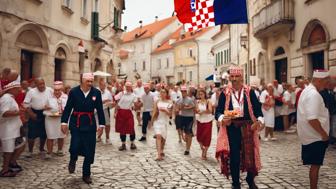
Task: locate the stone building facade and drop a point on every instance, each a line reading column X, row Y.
column 291, row 38
column 54, row 39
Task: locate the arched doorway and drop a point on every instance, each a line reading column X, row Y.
column 32, row 42
column 60, row 58
column 315, row 45
column 280, row 64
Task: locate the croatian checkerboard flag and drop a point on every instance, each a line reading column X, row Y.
column 197, row 14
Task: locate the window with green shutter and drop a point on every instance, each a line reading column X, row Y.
column 94, row 25
column 116, row 18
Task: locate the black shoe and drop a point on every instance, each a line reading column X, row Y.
column 251, row 183
column 133, row 147
column 236, row 187
column 186, row 153
column 15, row 168
column 122, row 147
column 252, row 186
column 142, row 139
column 87, row 179
column 72, row 167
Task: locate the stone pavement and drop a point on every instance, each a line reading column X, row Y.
column 282, row 167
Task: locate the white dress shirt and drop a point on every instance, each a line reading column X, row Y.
column 37, row 100
column 148, row 102
column 106, row 95
column 139, row 91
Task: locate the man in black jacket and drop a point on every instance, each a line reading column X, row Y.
column 239, row 113
column 82, row 102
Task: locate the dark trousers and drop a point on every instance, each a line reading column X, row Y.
column 235, row 138
column 83, row 144
column 146, row 117
column 86, row 164
column 123, row 138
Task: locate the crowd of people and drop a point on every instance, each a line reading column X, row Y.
column 31, row 110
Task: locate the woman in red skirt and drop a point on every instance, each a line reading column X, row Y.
column 204, row 119
column 124, row 116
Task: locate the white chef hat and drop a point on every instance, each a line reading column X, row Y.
column 321, row 74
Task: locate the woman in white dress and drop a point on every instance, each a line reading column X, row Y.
column 55, row 107
column 267, row 101
column 162, row 112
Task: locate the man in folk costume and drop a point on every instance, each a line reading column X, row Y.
column 124, row 117
column 82, row 101
column 240, row 116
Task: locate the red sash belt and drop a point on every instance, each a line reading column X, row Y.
column 79, row 114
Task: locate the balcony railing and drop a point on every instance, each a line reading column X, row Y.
column 275, row 17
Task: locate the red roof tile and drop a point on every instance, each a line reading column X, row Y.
column 176, row 36
column 147, row 30
column 166, row 43
column 192, row 35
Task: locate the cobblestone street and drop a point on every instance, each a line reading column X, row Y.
column 282, row 167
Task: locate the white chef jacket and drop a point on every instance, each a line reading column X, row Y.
column 9, row 126
column 37, row 100
column 311, row 106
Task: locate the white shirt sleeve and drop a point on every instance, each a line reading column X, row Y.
column 118, row 96
column 5, row 105
column 287, row 96
column 280, row 89
column 312, row 107
column 135, row 98
column 213, row 99
column 109, row 95
column 28, row 99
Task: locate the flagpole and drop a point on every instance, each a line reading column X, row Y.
column 248, row 52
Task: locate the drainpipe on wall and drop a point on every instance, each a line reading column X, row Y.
column 198, row 62
column 248, row 54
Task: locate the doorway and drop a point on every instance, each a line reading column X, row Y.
column 27, row 59
column 58, row 69
column 316, row 61
column 281, row 70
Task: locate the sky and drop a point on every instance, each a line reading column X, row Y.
column 145, row 10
